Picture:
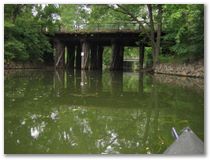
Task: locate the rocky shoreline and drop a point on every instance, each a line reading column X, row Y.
column 190, row 70
column 187, row 70
column 27, row 65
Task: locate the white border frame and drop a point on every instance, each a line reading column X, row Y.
column 206, row 95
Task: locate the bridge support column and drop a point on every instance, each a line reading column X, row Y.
column 70, row 56
column 94, row 57
column 78, row 57
column 85, row 55
column 117, row 56
column 100, row 57
column 59, row 54
column 141, row 56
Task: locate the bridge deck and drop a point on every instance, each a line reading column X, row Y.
column 105, row 38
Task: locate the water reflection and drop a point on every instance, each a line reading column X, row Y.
column 95, row 112
column 54, row 115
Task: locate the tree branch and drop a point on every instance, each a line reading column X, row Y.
column 159, row 26
column 152, row 31
column 125, row 11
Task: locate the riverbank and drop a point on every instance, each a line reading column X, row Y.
column 195, row 69
column 27, row 65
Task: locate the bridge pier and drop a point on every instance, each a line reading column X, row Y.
column 70, row 56
column 117, row 56
column 78, row 57
column 100, row 50
column 93, row 57
column 141, row 55
column 85, row 55
column 59, row 54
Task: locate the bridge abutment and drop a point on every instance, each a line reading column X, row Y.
column 59, row 54
column 117, row 56
column 100, row 50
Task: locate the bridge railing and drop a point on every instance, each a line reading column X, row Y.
column 97, row 27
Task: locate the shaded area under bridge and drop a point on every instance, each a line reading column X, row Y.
column 85, row 46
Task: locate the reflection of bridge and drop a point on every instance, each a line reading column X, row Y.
column 90, row 86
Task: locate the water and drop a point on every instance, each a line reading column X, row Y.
column 99, row 113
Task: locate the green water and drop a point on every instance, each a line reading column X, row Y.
column 98, row 113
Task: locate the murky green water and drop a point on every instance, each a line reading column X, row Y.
column 92, row 112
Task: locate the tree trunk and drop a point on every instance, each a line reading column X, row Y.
column 141, row 56
column 155, row 41
column 159, row 30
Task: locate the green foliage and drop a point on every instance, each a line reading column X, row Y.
column 15, row 50
column 167, row 59
column 130, row 52
column 73, row 16
column 47, row 17
column 148, row 56
column 25, row 38
column 185, row 25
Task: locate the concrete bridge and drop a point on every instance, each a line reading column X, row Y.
column 84, row 47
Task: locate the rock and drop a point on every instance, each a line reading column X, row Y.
column 181, row 69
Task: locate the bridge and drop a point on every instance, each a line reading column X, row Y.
column 85, row 45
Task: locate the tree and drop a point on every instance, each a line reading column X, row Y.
column 47, row 17
column 147, row 22
column 74, row 16
column 25, row 38
column 184, row 24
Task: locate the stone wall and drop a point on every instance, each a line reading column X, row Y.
column 192, row 70
column 27, row 65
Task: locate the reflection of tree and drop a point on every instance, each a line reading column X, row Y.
column 106, row 123
column 141, row 83
column 156, row 147
column 116, row 82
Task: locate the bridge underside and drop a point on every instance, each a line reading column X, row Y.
column 85, row 49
